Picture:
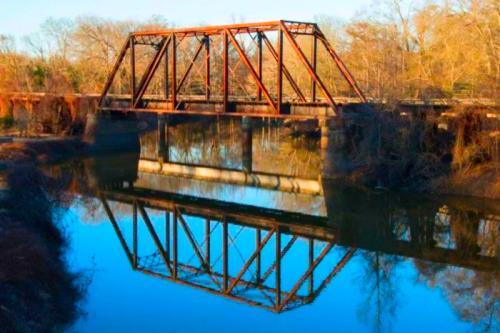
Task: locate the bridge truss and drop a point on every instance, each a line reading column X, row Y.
column 256, row 69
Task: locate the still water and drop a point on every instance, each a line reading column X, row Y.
column 184, row 249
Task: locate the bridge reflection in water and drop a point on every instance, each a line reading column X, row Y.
column 195, row 239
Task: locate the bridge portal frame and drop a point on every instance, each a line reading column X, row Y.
column 166, row 43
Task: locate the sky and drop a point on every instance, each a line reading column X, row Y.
column 22, row 17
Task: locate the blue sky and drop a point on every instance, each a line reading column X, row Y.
column 22, row 17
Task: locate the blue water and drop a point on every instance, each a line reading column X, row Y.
column 374, row 291
column 122, row 300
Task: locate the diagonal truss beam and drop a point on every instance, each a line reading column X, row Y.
column 191, row 64
column 254, row 74
column 311, row 269
column 150, row 71
column 250, row 260
column 153, row 234
column 289, row 77
column 308, row 66
column 282, row 255
column 345, row 259
column 112, row 219
column 111, row 77
column 341, row 66
column 191, row 240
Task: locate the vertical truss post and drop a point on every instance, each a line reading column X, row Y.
column 279, row 85
column 225, row 258
column 207, row 68
column 173, row 84
column 167, row 234
column 174, row 240
column 134, row 233
column 258, row 236
column 166, row 74
column 314, row 64
column 287, row 74
column 278, row 268
column 311, row 260
column 132, row 70
column 207, row 243
column 225, row 71
column 259, row 64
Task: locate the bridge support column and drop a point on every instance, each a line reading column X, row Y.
column 112, row 132
column 333, row 138
column 163, row 139
column 246, row 143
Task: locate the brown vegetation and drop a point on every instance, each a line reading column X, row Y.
column 31, row 152
column 401, row 49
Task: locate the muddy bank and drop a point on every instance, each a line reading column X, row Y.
column 32, row 152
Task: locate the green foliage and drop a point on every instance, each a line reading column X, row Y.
column 38, row 75
column 6, row 122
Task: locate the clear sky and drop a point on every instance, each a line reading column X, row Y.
column 21, row 17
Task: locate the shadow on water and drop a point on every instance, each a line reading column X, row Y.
column 38, row 293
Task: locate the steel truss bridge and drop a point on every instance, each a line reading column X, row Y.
column 239, row 69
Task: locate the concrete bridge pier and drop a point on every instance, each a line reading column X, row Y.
column 163, row 138
column 246, row 143
column 332, row 142
column 112, row 132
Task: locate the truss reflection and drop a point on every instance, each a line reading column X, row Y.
column 249, row 280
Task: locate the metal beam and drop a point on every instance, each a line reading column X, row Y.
column 289, row 77
column 308, row 66
column 254, row 74
column 190, row 66
column 112, row 75
column 153, row 234
column 250, row 260
column 150, row 71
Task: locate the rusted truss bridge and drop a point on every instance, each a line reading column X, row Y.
column 239, row 69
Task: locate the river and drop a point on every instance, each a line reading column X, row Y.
column 184, row 238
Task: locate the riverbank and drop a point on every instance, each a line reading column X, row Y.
column 482, row 182
column 23, row 152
